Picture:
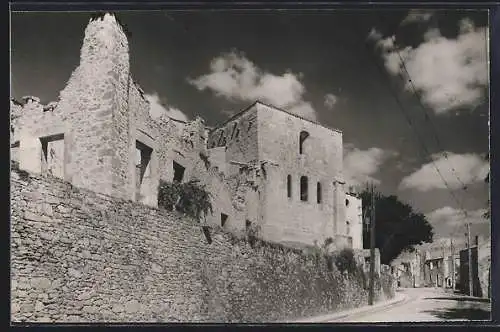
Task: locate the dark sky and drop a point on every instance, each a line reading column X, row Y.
column 329, row 53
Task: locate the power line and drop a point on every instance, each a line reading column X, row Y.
column 428, row 118
column 426, row 114
column 421, row 141
column 434, row 131
column 426, row 151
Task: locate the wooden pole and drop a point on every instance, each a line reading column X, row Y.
column 372, row 247
column 444, row 267
column 452, row 265
column 469, row 249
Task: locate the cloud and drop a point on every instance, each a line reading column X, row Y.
column 448, row 221
column 448, row 216
column 157, row 110
column 235, row 77
column 417, row 16
column 449, row 74
column 469, row 168
column 361, row 165
column 374, row 35
column 330, row 100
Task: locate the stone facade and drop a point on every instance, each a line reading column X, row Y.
column 81, row 256
column 264, row 167
column 354, row 220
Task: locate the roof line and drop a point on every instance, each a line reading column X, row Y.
column 275, row 108
column 298, row 116
column 184, row 122
column 235, row 116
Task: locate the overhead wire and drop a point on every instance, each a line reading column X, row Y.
column 419, row 139
column 434, row 132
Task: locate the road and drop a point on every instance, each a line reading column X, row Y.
column 427, row 304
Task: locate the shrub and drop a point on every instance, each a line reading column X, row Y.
column 345, row 261
column 190, row 198
column 252, row 231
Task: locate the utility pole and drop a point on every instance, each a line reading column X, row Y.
column 372, row 247
column 452, row 265
column 469, row 249
column 443, row 269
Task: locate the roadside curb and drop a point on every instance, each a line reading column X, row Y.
column 398, row 298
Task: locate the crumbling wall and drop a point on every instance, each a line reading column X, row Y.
column 91, row 113
column 240, row 138
column 80, row 256
column 38, row 127
column 15, row 114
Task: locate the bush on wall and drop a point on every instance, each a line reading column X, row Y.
column 190, row 198
column 346, row 262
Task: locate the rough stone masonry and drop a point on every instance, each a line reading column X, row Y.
column 80, row 256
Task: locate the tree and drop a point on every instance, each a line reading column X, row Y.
column 398, row 227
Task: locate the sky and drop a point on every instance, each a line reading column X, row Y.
column 408, row 88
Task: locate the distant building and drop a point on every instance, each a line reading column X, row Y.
column 407, row 268
column 439, row 266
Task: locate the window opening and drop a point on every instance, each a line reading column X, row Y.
column 303, row 188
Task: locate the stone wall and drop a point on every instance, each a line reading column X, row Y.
column 77, row 255
column 484, row 268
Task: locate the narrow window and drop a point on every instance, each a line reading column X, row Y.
column 178, row 172
column 318, row 192
column 223, row 219
column 289, row 185
column 303, row 188
column 143, row 169
column 234, row 130
column 248, row 223
column 303, row 136
column 347, row 228
column 44, row 156
column 144, row 157
column 237, row 133
column 221, row 137
column 346, row 202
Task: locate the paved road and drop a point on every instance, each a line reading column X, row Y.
column 427, row 304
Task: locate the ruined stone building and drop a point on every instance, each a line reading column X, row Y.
column 264, row 166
